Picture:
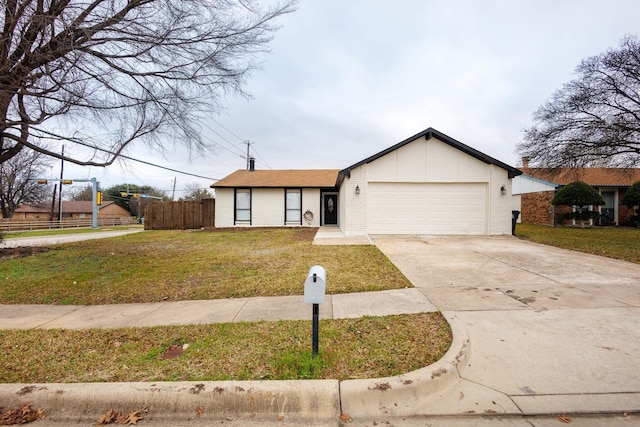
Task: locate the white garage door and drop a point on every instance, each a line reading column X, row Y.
column 402, row 208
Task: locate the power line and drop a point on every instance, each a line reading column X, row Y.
column 261, row 158
column 231, row 144
column 244, row 141
column 223, row 127
column 86, row 144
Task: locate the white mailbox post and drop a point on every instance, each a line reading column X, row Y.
column 314, row 290
column 315, row 285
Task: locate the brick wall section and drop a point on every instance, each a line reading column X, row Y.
column 623, row 212
column 536, row 208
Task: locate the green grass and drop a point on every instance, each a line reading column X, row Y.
column 175, row 265
column 368, row 347
column 614, row 242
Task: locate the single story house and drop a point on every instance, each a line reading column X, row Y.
column 427, row 184
column 108, row 210
column 535, row 200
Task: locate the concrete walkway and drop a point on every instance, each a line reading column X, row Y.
column 536, row 330
column 342, row 306
column 56, row 239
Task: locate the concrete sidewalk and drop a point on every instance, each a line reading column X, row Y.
column 341, row 306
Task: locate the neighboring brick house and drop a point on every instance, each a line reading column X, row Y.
column 611, row 183
column 71, row 209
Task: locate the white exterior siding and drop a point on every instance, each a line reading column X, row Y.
column 352, row 207
column 267, row 207
column 426, row 187
column 524, row 184
column 224, row 207
column 499, row 206
column 311, row 202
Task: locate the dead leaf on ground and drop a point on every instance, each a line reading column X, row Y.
column 113, row 416
column 131, row 419
column 109, row 417
column 24, row 414
column 199, row 411
column 564, row 418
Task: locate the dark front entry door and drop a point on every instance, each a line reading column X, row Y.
column 330, row 209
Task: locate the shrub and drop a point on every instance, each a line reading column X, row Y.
column 578, row 194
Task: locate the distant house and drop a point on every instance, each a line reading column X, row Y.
column 427, row 184
column 71, row 209
column 534, row 190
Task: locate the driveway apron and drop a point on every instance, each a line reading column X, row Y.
column 551, row 330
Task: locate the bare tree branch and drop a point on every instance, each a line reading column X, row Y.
column 18, row 181
column 594, row 120
column 111, row 72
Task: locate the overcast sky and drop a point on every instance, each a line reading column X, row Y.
column 346, row 79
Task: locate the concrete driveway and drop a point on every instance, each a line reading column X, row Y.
column 550, row 330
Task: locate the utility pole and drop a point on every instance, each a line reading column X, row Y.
column 173, row 195
column 249, row 143
column 60, row 189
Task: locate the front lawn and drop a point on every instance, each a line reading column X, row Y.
column 368, row 347
column 176, row 265
column 613, row 242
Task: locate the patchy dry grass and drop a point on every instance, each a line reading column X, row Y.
column 367, row 347
column 175, row 265
column 613, row 242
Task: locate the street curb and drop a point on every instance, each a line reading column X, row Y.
column 307, row 400
column 407, row 394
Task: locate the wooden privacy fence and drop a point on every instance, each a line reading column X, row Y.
column 180, row 215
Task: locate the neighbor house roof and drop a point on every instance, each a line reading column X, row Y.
column 603, row 177
column 308, row 178
column 23, row 208
column 76, row 206
column 431, row 133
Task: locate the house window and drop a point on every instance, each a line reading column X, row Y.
column 243, row 205
column 293, row 206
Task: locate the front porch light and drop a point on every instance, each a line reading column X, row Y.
column 357, row 189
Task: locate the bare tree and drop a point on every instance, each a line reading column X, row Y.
column 196, row 192
column 594, row 120
column 104, row 73
column 18, row 181
column 81, row 193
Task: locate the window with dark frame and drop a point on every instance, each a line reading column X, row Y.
column 243, row 205
column 293, row 205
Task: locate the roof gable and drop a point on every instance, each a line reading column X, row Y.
column 309, row 178
column 432, row 133
column 604, row 177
